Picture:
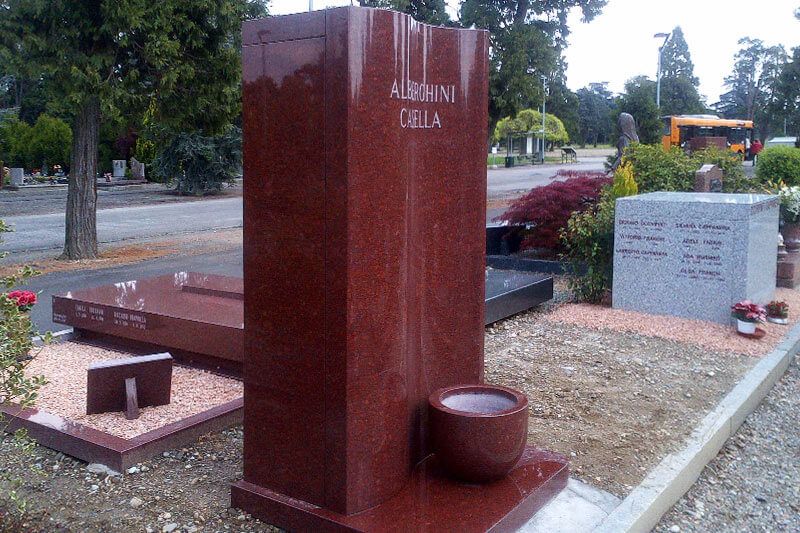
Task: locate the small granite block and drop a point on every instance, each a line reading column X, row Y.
column 694, row 254
column 107, row 388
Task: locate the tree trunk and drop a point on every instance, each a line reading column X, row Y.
column 80, row 240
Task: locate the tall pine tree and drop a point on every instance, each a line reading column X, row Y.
column 679, row 93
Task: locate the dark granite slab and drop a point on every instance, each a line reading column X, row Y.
column 509, row 292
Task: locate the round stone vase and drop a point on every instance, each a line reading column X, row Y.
column 478, row 432
column 748, row 328
column 791, row 236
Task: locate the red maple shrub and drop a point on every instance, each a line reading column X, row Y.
column 545, row 210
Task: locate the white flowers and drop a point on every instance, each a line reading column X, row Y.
column 790, row 203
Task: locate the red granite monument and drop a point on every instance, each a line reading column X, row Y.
column 364, row 213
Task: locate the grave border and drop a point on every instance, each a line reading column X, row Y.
column 95, row 446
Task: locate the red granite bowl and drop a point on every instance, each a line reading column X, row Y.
column 478, row 432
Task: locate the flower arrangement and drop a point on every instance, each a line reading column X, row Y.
column 747, row 311
column 790, row 204
column 778, row 309
column 25, row 300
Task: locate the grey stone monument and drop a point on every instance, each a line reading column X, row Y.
column 16, row 176
column 694, row 255
column 119, row 169
column 137, row 169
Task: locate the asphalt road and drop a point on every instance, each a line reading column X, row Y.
column 46, row 232
column 523, row 178
column 227, row 263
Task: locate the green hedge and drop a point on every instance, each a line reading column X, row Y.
column 779, row 163
column 48, row 142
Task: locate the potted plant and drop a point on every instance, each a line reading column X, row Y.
column 747, row 315
column 778, row 312
column 790, row 217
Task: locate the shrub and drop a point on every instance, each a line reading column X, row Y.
column 50, row 143
column 658, row 170
column 547, row 209
column 588, row 241
column 197, row 164
column 14, row 139
column 779, row 163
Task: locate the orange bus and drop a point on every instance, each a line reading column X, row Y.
column 679, row 130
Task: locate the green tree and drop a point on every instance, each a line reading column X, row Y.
column 563, row 103
column 428, row 11
column 105, row 56
column 595, row 105
column 787, row 95
column 639, row 99
column 49, row 143
column 530, row 120
column 753, row 85
column 527, row 39
column 679, row 95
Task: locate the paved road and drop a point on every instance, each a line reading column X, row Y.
column 39, row 201
column 526, row 177
column 46, row 232
column 227, row 263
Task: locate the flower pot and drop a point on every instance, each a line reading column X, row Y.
column 778, row 320
column 748, row 328
column 478, row 432
column 791, row 236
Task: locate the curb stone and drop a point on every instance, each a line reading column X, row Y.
column 642, row 509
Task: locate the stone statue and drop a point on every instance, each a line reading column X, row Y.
column 627, row 126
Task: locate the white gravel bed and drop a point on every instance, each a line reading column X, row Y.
column 64, row 365
column 754, row 483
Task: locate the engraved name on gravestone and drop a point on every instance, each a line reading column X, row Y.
column 694, row 254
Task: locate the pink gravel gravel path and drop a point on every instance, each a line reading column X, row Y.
column 699, row 332
column 64, row 365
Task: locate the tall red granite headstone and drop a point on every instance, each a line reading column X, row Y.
column 364, row 209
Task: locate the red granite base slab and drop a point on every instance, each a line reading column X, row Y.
column 95, row 446
column 430, row 502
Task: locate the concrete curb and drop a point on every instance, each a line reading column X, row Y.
column 58, row 336
column 641, row 510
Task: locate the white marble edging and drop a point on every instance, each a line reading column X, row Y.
column 641, row 510
column 58, row 336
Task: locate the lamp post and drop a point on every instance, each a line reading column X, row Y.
column 666, row 37
column 544, row 103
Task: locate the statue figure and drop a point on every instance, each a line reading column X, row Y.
column 627, row 126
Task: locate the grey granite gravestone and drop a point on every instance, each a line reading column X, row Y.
column 16, row 176
column 694, row 254
column 119, row 166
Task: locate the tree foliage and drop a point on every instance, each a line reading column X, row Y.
column 753, row 87
column 595, row 106
column 197, row 164
column 428, row 11
column 103, row 58
column 679, row 95
column 530, row 120
column 527, row 39
column 639, row 99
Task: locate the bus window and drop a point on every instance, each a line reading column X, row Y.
column 736, row 135
column 667, row 126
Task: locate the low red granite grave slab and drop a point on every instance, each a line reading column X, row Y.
column 197, row 317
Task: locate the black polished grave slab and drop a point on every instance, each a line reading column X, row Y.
column 509, row 292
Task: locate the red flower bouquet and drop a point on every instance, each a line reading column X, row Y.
column 25, row 300
column 747, row 311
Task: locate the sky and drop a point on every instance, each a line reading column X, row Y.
column 619, row 44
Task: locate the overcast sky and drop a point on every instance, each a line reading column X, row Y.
column 619, row 44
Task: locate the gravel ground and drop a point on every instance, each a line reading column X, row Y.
column 754, row 483
column 65, row 363
column 615, row 403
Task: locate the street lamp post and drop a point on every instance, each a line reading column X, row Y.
column 666, row 37
column 544, row 103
